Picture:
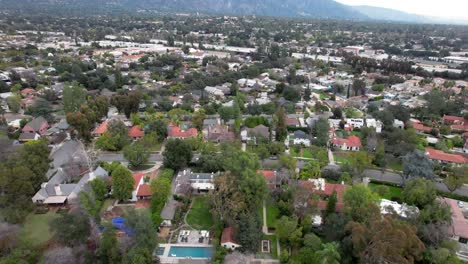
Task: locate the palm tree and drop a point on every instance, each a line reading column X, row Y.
column 329, row 254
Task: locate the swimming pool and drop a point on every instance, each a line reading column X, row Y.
column 194, row 252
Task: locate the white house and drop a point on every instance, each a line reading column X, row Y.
column 369, row 122
column 214, row 91
column 301, row 138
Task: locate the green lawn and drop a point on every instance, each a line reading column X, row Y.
column 397, row 166
column 36, row 228
column 272, row 212
column 306, row 153
column 199, row 216
column 293, row 152
column 393, row 192
column 341, row 157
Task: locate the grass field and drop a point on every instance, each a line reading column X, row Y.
column 272, row 214
column 341, row 157
column 306, row 153
column 393, row 192
column 37, row 228
column 199, row 216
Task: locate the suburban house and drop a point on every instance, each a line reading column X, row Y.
column 270, row 178
column 175, row 131
column 324, row 190
column 135, row 132
column 219, row 134
column 201, row 182
column 57, row 192
column 459, row 227
column 252, row 134
column 141, row 188
column 301, row 138
column 227, row 239
column 445, row 158
column 38, row 125
column 369, row 122
column 26, row 137
column 352, row 143
column 453, row 120
column 101, row 129
column 418, row 126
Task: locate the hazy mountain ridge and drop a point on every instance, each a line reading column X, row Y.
column 381, row 13
column 285, row 8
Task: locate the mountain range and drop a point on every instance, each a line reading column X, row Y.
column 281, row 8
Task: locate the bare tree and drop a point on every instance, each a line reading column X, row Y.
column 59, row 255
column 8, row 237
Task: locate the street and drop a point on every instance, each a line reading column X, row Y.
column 396, row 178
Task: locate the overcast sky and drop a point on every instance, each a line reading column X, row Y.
column 440, row 8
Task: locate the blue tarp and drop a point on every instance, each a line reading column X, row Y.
column 119, row 223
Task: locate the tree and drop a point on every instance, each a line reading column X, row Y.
column 370, row 241
column 122, row 183
column 108, row 249
column 307, row 94
column 337, row 113
column 72, row 229
column 419, row 192
column 116, row 137
column 158, row 126
column 197, row 119
column 249, row 232
column 14, row 103
column 262, row 152
column 99, row 188
column 74, row 96
column 417, row 164
column 312, row 241
column 281, row 126
column 40, row 107
column 359, row 162
column 226, row 113
column 320, row 131
column 136, row 154
column 177, row 154
column 331, row 205
column 311, row 170
column 35, row 156
column 456, row 177
column 360, row 203
column 144, row 229
column 359, row 86
column 328, row 254
column 285, row 226
column 81, row 123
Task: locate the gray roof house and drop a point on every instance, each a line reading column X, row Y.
column 56, row 192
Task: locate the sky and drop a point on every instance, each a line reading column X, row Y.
column 455, row 9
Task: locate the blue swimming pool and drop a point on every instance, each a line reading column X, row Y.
column 194, row 252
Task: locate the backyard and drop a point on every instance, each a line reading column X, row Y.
column 272, row 213
column 394, row 193
column 199, row 216
column 37, row 228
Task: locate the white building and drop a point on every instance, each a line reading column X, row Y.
column 403, row 210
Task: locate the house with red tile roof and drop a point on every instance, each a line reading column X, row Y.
column 135, row 132
column 141, row 188
column 325, row 190
column 418, row 126
column 101, row 129
column 227, row 239
column 28, row 91
column 453, row 120
column 175, row 131
column 443, row 157
column 352, row 143
column 270, row 178
column 459, row 227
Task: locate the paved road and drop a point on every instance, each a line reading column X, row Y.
column 117, row 156
column 396, row 178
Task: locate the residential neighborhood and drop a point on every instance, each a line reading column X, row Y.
column 204, row 138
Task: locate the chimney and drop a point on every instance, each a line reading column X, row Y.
column 92, row 176
column 58, row 191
